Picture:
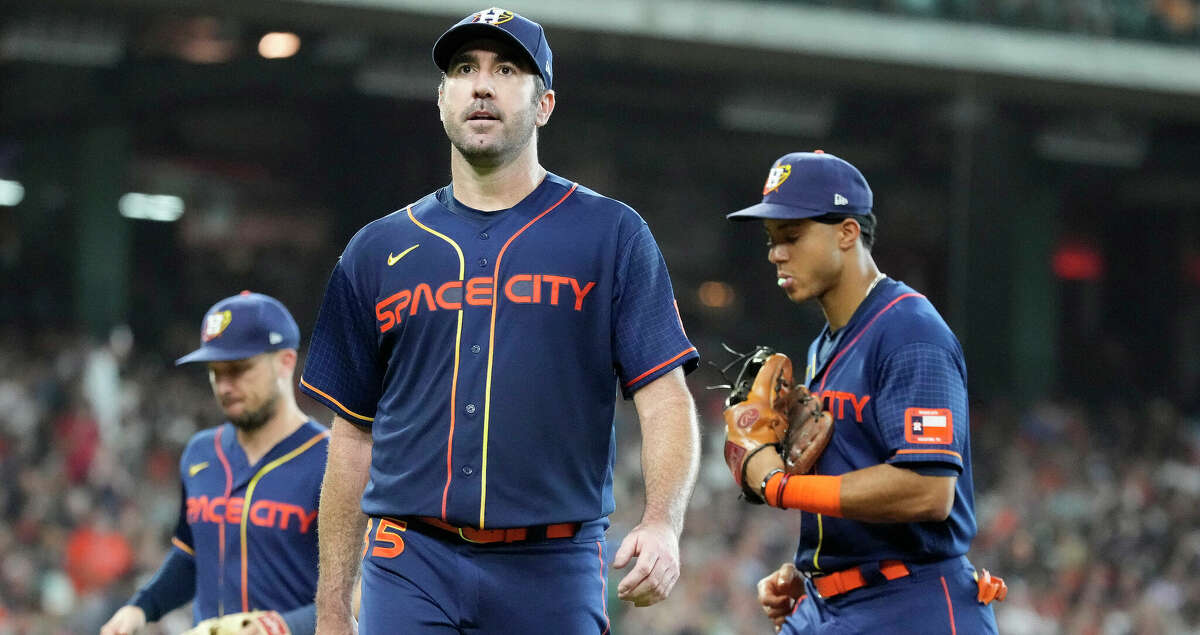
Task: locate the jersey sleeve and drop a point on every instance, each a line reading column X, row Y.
column 648, row 336
column 921, row 407
column 341, row 369
column 301, row 621
column 182, row 538
column 174, row 584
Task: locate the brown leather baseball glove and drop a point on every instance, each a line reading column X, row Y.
column 766, row 411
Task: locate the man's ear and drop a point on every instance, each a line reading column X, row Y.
column 848, row 232
column 285, row 361
column 545, row 108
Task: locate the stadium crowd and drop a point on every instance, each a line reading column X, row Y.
column 1174, row 21
column 1092, row 520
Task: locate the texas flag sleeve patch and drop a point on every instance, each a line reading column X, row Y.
column 928, row 425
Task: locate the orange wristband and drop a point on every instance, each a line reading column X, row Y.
column 817, row 494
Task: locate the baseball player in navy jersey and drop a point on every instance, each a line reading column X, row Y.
column 245, row 547
column 888, row 514
column 470, row 345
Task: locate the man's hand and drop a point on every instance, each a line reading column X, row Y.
column 247, row 623
column 126, row 621
column 778, row 592
column 759, row 466
column 656, row 548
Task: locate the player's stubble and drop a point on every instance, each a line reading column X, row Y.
column 252, row 420
column 518, row 130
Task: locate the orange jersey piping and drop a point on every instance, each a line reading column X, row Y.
column 949, row 606
column 821, row 390
column 457, row 351
column 487, row 391
column 221, row 525
column 246, row 507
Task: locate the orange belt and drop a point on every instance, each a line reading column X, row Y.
column 850, row 579
column 512, row 534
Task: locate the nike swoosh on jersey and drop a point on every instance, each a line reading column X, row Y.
column 195, row 468
column 393, row 258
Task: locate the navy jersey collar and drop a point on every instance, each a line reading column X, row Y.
column 445, row 196
column 829, row 341
column 238, row 463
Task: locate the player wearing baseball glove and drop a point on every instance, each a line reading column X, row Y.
column 767, row 411
column 249, row 623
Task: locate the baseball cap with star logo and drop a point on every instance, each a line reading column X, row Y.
column 810, row 184
column 498, row 24
column 242, row 326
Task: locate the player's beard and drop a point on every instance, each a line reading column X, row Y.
column 252, row 420
column 518, row 132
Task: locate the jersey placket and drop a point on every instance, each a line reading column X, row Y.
column 469, row 454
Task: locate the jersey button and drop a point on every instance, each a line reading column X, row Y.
column 468, row 470
column 470, row 408
column 483, row 236
column 483, row 262
column 475, row 349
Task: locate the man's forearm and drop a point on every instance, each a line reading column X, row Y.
column 670, row 447
column 340, row 521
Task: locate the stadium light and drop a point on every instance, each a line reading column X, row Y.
column 274, row 46
column 715, row 294
column 11, row 193
column 157, row 207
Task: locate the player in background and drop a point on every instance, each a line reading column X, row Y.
column 470, row 345
column 888, row 514
column 245, row 547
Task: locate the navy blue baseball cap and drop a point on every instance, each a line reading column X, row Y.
column 242, row 326
column 498, row 24
column 808, row 184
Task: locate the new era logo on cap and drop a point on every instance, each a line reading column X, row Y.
column 838, row 199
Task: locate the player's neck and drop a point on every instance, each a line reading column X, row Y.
column 495, row 187
column 286, row 420
column 844, row 298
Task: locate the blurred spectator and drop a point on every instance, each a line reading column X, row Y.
column 1091, row 516
column 1164, row 20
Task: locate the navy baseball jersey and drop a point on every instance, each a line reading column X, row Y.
column 253, row 526
column 894, row 380
column 483, row 350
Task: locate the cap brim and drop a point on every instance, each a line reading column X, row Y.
column 217, row 355
column 453, row 39
column 773, row 210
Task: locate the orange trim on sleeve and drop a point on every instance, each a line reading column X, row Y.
column 183, row 546
column 335, row 401
column 652, row 370
column 950, row 452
